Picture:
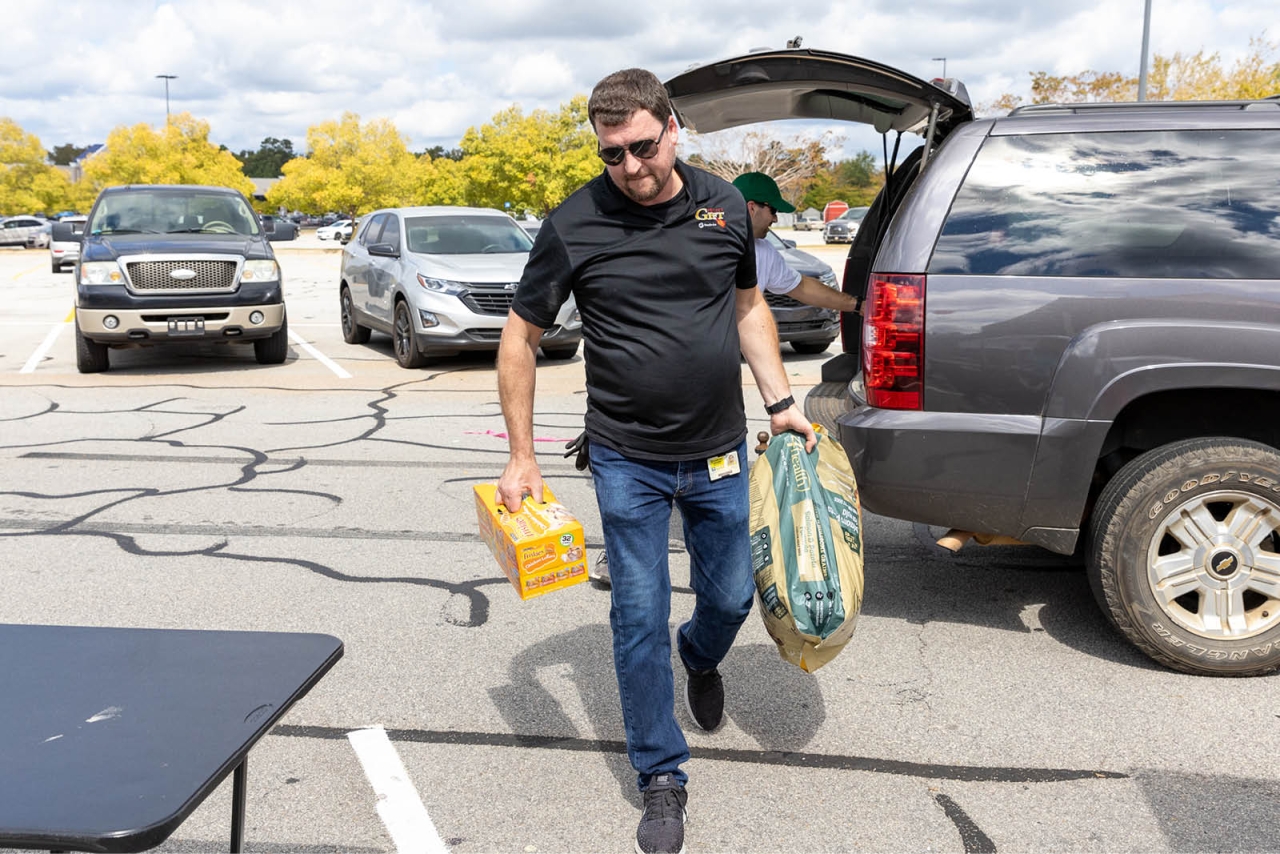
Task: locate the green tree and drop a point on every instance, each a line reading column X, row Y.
column 531, row 161
column 1181, row 77
column 27, row 183
column 179, row 153
column 268, row 160
column 855, row 181
column 351, row 168
column 62, row 155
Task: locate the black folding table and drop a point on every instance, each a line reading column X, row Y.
column 110, row 738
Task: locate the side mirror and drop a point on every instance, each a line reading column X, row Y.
column 386, row 250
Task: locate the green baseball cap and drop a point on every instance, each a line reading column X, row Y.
column 760, row 188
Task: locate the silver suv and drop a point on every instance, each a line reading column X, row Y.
column 440, row 280
column 1071, row 336
column 20, row 230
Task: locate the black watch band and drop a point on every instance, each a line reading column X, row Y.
column 781, row 406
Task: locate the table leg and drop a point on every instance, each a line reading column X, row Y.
column 239, row 783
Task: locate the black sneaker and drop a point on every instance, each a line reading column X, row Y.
column 704, row 697
column 661, row 829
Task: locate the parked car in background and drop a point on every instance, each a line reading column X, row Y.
column 1071, row 337
column 39, row 238
column 806, row 328
column 531, row 226
column 276, row 228
column 843, row 228
column 807, row 221
column 64, row 241
column 161, row 264
column 20, row 230
column 340, row 230
column 440, row 280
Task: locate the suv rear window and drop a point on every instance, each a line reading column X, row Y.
column 1156, row 204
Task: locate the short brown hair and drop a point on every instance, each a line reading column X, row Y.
column 617, row 97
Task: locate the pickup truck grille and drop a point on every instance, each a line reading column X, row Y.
column 154, row 276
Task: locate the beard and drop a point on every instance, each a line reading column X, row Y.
column 646, row 186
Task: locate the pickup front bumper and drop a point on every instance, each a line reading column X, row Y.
column 159, row 323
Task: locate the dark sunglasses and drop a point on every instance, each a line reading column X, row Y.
column 641, row 149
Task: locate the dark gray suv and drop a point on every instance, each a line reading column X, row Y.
column 1072, row 336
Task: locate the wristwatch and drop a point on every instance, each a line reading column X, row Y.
column 781, row 406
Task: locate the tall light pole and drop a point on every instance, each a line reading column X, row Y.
column 166, row 78
column 943, row 60
column 1146, row 43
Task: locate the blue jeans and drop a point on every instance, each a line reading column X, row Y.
column 635, row 499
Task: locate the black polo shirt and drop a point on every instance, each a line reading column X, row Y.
column 655, row 286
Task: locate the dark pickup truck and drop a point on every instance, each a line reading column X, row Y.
column 1071, row 336
column 176, row 263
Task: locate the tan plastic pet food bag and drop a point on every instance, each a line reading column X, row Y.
column 806, row 547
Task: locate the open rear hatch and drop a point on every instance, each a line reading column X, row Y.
column 814, row 84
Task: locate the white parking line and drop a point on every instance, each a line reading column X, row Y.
column 399, row 805
column 318, row 356
column 44, row 348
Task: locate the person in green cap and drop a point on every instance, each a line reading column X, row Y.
column 764, row 202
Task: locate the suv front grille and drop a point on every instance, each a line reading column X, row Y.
column 781, row 300
column 492, row 302
column 154, row 276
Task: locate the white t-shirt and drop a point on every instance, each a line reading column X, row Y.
column 772, row 272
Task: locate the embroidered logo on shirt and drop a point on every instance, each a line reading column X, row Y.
column 708, row 217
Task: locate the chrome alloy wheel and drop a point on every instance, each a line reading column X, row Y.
column 1214, row 565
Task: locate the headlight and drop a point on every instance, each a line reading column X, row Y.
column 442, row 286
column 101, row 273
column 259, row 271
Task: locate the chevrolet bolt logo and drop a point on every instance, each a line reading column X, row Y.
column 511, row 286
column 1224, row 565
column 182, row 274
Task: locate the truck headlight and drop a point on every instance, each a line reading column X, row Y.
column 101, row 273
column 442, row 286
column 259, row 271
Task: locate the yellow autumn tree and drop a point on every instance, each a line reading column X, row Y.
column 529, row 162
column 350, row 168
column 1182, row 77
column 27, row 183
column 178, row 153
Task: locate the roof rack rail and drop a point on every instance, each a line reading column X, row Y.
column 1119, row 106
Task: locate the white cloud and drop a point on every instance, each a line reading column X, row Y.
column 254, row 69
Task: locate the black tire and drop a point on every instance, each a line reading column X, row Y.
column 57, row 268
column 91, row 356
column 273, row 350
column 402, row 338
column 1182, row 536
column 560, row 352
column 811, row 347
column 352, row 332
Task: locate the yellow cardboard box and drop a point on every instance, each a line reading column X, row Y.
column 541, row 548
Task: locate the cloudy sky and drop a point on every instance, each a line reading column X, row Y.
column 72, row 70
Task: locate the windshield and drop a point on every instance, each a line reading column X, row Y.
column 775, row 241
column 465, row 235
column 854, row 214
column 168, row 212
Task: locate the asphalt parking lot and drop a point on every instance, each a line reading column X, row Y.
column 983, row 704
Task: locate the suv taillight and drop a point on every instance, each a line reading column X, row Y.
column 893, row 341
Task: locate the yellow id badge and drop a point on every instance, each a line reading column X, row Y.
column 724, row 465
